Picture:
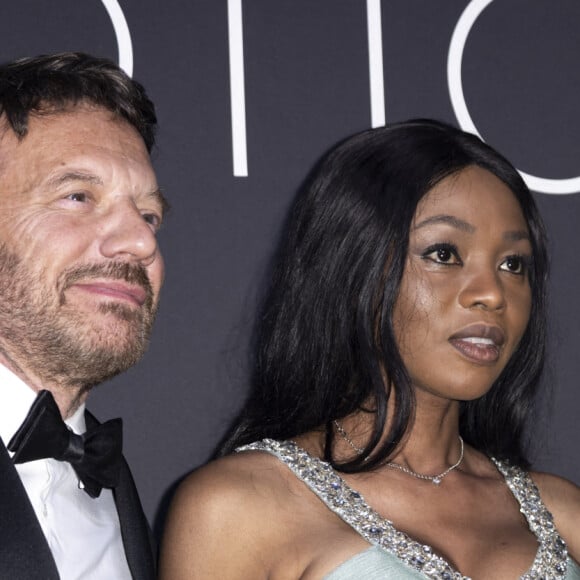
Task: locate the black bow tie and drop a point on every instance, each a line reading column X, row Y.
column 95, row 456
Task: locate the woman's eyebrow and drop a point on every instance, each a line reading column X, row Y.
column 516, row 236
column 449, row 220
column 509, row 236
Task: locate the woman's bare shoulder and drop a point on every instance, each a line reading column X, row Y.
column 253, row 477
column 224, row 517
column 562, row 498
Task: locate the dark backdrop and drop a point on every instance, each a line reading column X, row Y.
column 507, row 69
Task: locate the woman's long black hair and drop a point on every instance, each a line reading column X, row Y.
column 324, row 335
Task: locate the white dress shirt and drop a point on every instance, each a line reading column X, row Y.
column 83, row 533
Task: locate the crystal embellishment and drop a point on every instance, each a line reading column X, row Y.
column 550, row 562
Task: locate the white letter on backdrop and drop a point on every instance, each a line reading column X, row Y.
column 237, row 93
column 455, row 83
column 376, row 76
column 124, row 45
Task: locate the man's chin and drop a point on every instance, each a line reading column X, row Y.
column 122, row 311
column 111, row 322
column 98, row 362
column 102, row 346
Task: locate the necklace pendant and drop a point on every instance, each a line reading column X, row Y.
column 436, row 480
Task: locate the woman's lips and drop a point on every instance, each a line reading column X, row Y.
column 479, row 342
column 481, row 350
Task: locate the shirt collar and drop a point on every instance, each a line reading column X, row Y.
column 77, row 420
column 16, row 398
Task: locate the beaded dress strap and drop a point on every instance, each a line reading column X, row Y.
column 550, row 562
column 552, row 556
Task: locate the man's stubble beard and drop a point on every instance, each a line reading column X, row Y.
column 42, row 333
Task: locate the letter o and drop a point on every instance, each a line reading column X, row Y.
column 124, row 45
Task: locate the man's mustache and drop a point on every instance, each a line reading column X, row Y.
column 130, row 273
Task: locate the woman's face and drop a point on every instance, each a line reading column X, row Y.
column 465, row 297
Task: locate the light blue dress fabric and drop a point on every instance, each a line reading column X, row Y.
column 373, row 564
column 376, row 564
column 380, row 561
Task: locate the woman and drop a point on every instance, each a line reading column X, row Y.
column 400, row 348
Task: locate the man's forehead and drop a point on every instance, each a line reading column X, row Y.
column 77, row 125
column 60, row 149
column 46, row 114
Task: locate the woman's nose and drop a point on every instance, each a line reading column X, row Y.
column 483, row 289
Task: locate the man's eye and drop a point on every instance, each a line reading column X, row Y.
column 82, row 197
column 153, row 220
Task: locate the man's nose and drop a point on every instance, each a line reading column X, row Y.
column 125, row 234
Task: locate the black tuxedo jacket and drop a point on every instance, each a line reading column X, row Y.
column 24, row 552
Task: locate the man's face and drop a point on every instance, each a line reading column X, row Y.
column 80, row 269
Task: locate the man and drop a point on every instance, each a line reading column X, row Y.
column 80, row 274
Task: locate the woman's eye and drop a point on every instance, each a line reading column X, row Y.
column 442, row 255
column 514, row 264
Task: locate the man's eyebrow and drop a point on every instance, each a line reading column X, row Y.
column 158, row 197
column 69, row 176
column 449, row 220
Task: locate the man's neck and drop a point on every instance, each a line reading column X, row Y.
column 67, row 398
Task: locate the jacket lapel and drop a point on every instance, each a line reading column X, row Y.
column 24, row 552
column 137, row 537
column 135, row 530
